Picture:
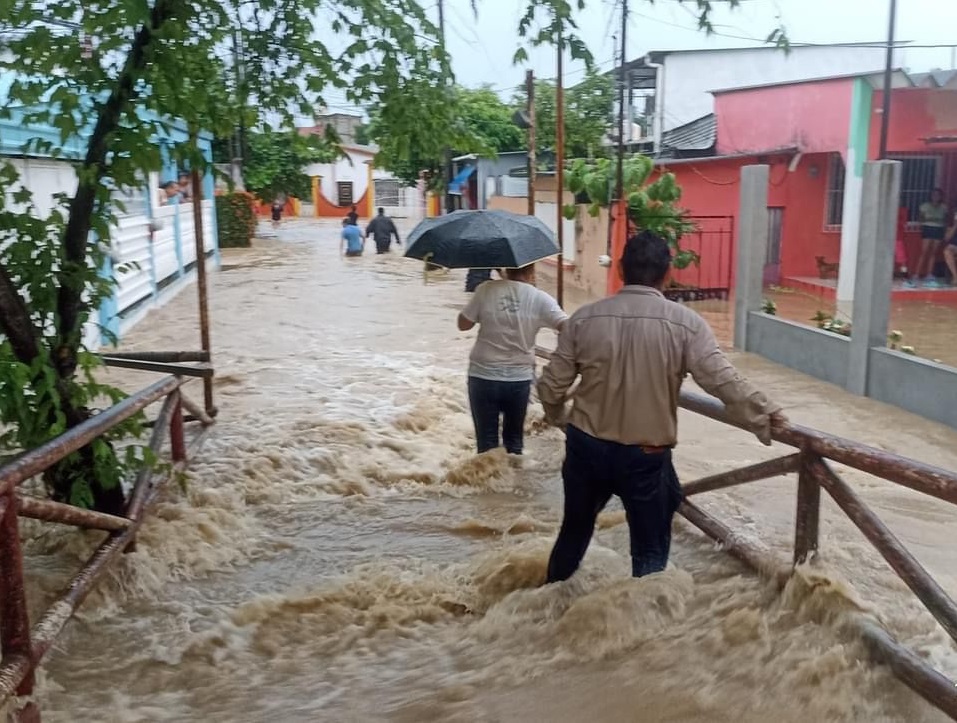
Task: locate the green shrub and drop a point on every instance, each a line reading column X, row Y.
column 236, row 219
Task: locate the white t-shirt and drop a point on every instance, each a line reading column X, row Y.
column 510, row 315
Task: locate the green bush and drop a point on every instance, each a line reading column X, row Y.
column 236, row 219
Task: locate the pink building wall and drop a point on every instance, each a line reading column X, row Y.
column 812, row 117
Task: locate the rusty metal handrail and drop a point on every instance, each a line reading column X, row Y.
column 23, row 649
column 814, row 473
column 916, row 475
column 31, row 463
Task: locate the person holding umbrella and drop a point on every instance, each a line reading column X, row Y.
column 509, row 313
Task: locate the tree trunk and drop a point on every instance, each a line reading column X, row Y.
column 25, row 339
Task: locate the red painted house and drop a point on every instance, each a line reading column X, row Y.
column 816, row 135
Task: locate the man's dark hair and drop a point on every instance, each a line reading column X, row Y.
column 645, row 260
column 381, row 211
column 518, row 274
column 166, row 186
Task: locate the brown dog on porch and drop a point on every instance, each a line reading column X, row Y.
column 827, row 269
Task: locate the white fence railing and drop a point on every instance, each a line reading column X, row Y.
column 148, row 263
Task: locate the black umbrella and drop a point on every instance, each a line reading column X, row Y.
column 481, row 240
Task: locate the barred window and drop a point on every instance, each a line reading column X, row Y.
column 835, row 191
column 387, row 192
column 920, row 175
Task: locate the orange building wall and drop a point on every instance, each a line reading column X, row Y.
column 327, row 209
column 712, row 188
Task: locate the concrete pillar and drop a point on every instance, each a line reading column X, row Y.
column 880, row 199
column 752, row 249
column 370, row 190
column 854, row 159
column 315, row 181
column 236, row 174
column 178, row 239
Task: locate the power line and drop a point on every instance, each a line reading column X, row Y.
column 903, row 44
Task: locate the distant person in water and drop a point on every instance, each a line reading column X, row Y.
column 509, row 313
column 382, row 229
column 630, row 353
column 277, row 205
column 352, row 241
column 353, row 217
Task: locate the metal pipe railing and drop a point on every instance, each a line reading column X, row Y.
column 23, row 649
column 32, row 463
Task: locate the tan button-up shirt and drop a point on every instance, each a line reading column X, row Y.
column 632, row 351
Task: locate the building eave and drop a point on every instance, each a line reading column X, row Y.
column 788, row 151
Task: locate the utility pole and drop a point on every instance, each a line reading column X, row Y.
column 197, row 182
column 447, row 153
column 239, row 141
column 530, row 107
column 888, row 82
column 620, row 181
column 560, row 166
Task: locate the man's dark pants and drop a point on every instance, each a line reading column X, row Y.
column 646, row 484
column 491, row 400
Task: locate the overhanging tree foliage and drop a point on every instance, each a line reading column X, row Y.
column 468, row 121
column 152, row 61
column 589, row 109
column 276, row 161
column 651, row 205
column 486, row 116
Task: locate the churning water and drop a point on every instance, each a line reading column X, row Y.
column 340, row 554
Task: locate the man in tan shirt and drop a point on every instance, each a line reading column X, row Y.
column 631, row 352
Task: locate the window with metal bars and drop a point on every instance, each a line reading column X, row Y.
column 835, row 192
column 387, row 192
column 920, row 175
column 344, row 193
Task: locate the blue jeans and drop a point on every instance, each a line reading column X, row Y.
column 646, row 484
column 493, row 400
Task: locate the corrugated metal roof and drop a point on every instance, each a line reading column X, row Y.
column 698, row 135
column 936, row 78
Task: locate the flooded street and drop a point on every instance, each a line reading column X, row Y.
column 340, row 554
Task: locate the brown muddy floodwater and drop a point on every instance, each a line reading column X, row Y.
column 340, row 554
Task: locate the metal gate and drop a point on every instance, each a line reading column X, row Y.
column 711, row 278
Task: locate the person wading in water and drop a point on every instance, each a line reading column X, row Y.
column 632, row 351
column 382, row 229
column 509, row 313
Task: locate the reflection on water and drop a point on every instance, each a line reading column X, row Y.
column 930, row 328
column 341, row 555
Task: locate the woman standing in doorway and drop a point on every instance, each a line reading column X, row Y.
column 933, row 226
column 509, row 312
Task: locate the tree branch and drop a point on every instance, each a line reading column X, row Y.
column 91, row 173
column 15, row 322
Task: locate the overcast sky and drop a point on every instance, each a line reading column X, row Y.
column 482, row 48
